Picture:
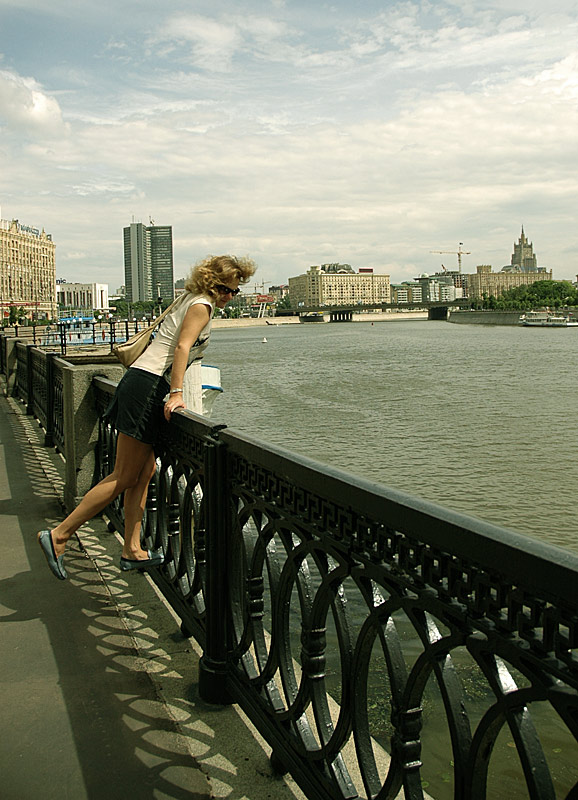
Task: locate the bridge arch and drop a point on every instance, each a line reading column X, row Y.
column 340, row 315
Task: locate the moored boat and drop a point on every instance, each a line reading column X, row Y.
column 547, row 319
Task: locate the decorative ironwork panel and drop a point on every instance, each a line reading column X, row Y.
column 40, row 387
column 22, row 372
column 373, row 631
column 58, row 406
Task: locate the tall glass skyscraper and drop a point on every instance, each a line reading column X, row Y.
column 148, row 262
column 161, row 253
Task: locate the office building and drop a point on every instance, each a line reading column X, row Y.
column 523, row 258
column 458, row 279
column 279, row 292
column 161, row 255
column 27, row 271
column 406, row 292
column 338, row 285
column 487, row 283
column 439, row 288
column 522, row 270
column 82, row 297
column 148, row 262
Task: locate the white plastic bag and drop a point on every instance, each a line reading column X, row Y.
column 201, row 387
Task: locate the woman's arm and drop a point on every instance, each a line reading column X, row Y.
column 195, row 320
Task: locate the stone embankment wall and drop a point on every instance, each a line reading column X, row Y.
column 485, row 317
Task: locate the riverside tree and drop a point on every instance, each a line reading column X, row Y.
column 550, row 294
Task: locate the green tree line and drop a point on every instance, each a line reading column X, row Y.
column 551, row 294
column 139, row 309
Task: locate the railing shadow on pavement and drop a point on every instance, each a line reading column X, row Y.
column 103, row 705
column 125, row 681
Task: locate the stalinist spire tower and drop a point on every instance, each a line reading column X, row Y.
column 523, row 258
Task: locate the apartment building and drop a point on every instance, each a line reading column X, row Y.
column 327, row 285
column 27, row 271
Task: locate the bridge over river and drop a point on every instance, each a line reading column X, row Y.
column 437, row 310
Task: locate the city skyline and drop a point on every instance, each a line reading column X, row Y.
column 296, row 134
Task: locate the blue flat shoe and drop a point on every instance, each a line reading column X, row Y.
column 154, row 560
column 56, row 563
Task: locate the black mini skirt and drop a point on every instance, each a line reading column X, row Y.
column 136, row 408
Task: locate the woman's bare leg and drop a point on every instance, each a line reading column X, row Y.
column 131, row 457
column 134, row 505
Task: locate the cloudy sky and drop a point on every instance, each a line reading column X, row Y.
column 299, row 133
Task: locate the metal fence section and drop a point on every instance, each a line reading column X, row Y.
column 22, row 372
column 359, row 612
column 56, row 404
column 72, row 335
column 40, row 366
column 381, row 644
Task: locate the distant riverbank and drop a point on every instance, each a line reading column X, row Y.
column 380, row 316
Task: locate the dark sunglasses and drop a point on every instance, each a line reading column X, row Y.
column 222, row 289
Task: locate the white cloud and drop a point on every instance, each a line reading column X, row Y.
column 213, row 44
column 102, row 187
column 305, row 138
column 26, row 109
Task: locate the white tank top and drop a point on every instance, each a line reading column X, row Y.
column 158, row 357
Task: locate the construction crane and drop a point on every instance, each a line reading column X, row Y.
column 459, row 253
column 262, row 285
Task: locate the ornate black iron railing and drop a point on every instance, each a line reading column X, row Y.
column 3, row 360
column 381, row 644
column 40, row 365
column 55, row 406
column 39, row 384
column 22, row 372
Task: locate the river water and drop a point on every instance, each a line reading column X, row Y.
column 481, row 419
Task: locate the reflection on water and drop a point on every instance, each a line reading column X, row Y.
column 481, row 419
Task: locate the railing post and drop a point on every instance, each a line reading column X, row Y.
column 214, row 661
column 62, row 331
column 29, row 381
column 49, row 435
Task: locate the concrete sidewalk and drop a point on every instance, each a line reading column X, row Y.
column 97, row 685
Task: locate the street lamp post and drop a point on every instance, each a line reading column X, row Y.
column 159, row 298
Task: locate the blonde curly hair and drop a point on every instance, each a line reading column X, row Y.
column 215, row 270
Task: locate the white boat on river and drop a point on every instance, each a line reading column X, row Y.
column 547, row 319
